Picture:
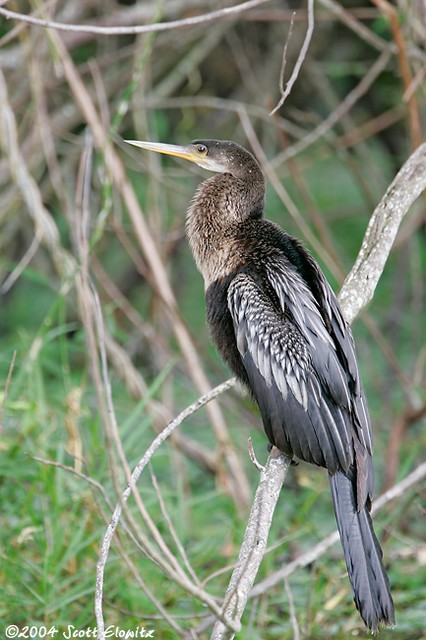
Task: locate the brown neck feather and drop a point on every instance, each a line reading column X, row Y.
column 220, row 207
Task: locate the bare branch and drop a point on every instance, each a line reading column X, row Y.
column 91, row 481
column 252, row 455
column 292, row 608
column 254, row 544
column 171, row 528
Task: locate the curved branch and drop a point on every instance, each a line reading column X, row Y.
column 115, row 519
column 218, row 14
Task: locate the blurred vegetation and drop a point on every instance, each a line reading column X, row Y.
column 348, row 125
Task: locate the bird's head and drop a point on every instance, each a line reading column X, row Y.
column 221, row 156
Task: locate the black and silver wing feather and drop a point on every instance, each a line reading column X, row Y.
column 289, row 359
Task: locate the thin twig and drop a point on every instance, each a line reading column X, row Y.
column 252, row 455
column 285, row 92
column 164, row 614
column 292, row 609
column 284, row 63
column 171, row 528
column 79, row 474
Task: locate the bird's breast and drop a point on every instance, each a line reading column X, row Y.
column 217, row 250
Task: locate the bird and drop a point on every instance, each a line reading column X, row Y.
column 278, row 325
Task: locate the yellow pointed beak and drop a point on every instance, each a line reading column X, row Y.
column 185, row 152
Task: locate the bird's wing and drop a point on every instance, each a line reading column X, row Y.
column 293, row 370
column 293, row 291
column 319, row 315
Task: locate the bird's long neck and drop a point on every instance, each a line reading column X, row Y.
column 216, row 217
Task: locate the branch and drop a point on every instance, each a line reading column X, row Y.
column 254, row 544
column 358, row 288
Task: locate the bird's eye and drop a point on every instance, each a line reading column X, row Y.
column 201, row 149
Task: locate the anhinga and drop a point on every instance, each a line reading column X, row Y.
column 277, row 323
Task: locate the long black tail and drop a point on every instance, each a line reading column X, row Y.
column 363, row 555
